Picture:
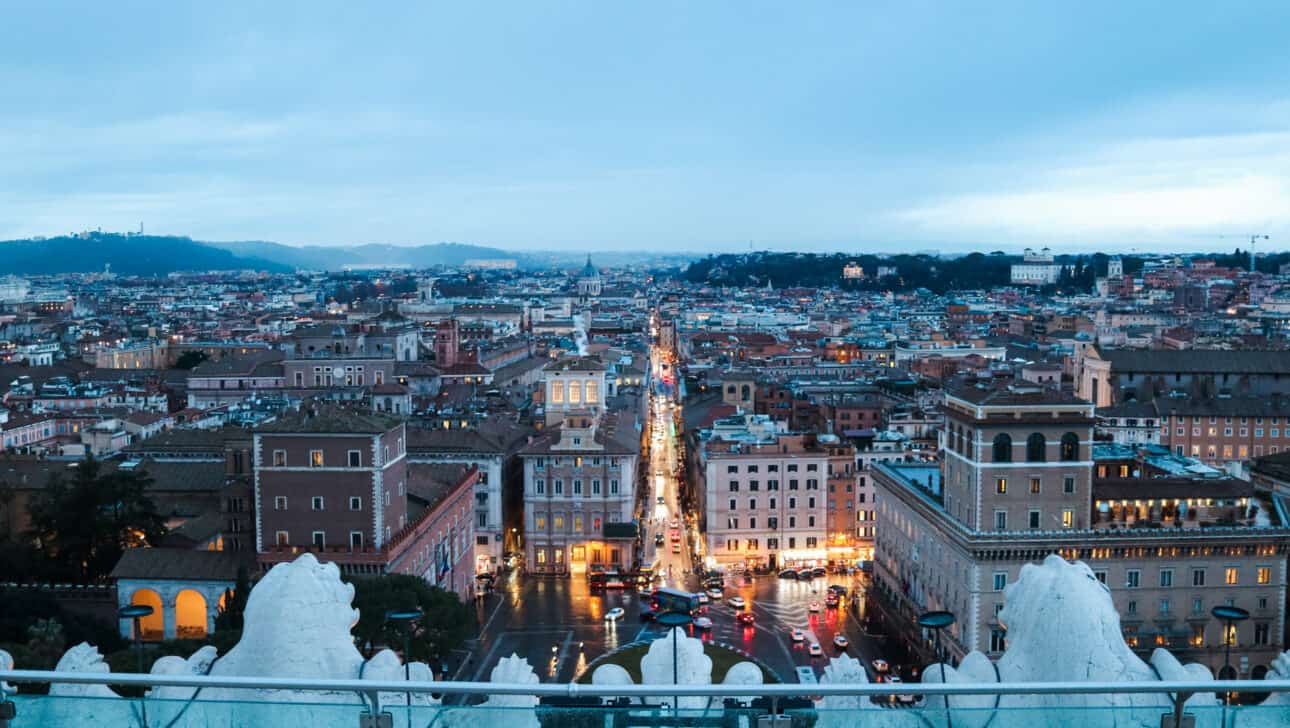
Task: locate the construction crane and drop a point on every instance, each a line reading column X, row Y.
column 1254, row 239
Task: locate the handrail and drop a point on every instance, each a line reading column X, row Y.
column 651, row 690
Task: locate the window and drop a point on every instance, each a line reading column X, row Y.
column 317, row 503
column 1198, row 577
column 998, row 640
column 1198, row 606
column 1001, row 520
column 1070, row 446
column 1231, row 575
column 754, row 485
column 613, row 486
column 558, row 485
column 557, row 523
column 1034, row 485
column 1068, row 484
column 356, row 539
column 1100, row 575
column 1264, row 574
column 732, row 468
column 1034, row 519
column 355, row 459
column 279, row 503
column 355, row 503
column 1000, row 580
column 1166, row 577
column 1164, row 607
column 539, row 522
column 734, row 506
column 772, row 484
column 1068, row 518
column 1132, row 579
column 557, row 392
column 1036, row 448
column 1001, row 486
column 279, row 458
column 733, row 486
column 1002, row 448
column 539, row 486
column 792, row 484
column 320, row 539
column 315, row 458
column 577, row 486
column 1261, row 633
column 1132, row 607
column 282, row 538
column 1263, row 602
column 593, row 391
column 595, row 486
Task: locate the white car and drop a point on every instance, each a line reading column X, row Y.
column 815, row 650
column 737, row 602
column 704, row 598
column 813, row 606
column 702, row 623
column 841, row 642
column 675, row 523
column 614, row 614
column 715, row 593
column 797, row 635
column 902, row 698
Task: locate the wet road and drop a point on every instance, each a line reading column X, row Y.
column 559, row 625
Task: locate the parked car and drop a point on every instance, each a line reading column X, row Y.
column 797, row 635
column 614, row 614
column 819, row 571
column 702, row 623
column 813, row 606
column 805, row 575
column 737, row 602
column 788, row 574
column 814, row 650
column 745, row 618
column 838, row 589
column 841, row 642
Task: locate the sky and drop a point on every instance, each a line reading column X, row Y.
column 687, row 127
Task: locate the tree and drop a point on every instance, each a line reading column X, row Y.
column 234, row 606
column 86, row 523
column 445, row 626
column 190, row 359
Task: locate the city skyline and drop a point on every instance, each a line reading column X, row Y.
column 674, row 129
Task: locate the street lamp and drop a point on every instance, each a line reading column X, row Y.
column 405, row 617
column 937, row 621
column 1230, row 616
column 136, row 613
column 674, row 620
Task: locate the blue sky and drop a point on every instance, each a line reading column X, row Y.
column 688, row 126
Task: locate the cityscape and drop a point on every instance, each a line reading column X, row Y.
column 810, row 391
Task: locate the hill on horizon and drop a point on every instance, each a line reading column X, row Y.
column 130, row 255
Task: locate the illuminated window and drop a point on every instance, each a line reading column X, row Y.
column 1231, row 575
column 315, row 458
column 557, row 392
column 575, row 392
column 279, row 458
column 592, row 394
column 558, row 523
column 1265, row 574
column 1001, row 485
column 1068, row 518
column 539, row 521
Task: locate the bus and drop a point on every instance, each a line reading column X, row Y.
column 645, row 576
column 666, row 599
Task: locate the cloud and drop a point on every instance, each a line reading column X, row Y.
column 1166, row 190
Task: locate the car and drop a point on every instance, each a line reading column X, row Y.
column 831, row 601
column 737, row 602
column 838, row 589
column 805, row 575
column 880, row 666
column 715, row 592
column 703, row 623
column 614, row 614
column 745, row 618
column 648, row 615
column 703, row 598
column 661, row 500
column 819, row 571
column 676, row 523
column 813, row 606
column 814, row 649
column 676, row 535
column 658, row 539
column 797, row 635
column 905, row 698
column 715, row 581
column 788, row 574
column 841, row 642
column 676, row 548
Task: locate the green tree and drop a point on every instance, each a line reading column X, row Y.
column 230, row 614
column 445, row 626
column 84, row 524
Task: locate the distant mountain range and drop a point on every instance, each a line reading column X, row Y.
column 151, row 255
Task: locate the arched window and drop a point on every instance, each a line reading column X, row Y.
column 1002, row 448
column 745, row 393
column 1070, row 446
column 190, row 615
column 1036, row 447
column 153, row 626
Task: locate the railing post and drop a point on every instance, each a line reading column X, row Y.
column 373, row 717
column 1178, row 719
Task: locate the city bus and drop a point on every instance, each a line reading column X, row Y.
column 666, row 599
column 645, row 576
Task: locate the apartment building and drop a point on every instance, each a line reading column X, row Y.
column 765, row 495
column 1015, row 485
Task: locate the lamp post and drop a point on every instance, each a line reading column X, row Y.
column 136, row 613
column 674, row 620
column 1230, row 616
column 405, row 617
column 937, row 621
